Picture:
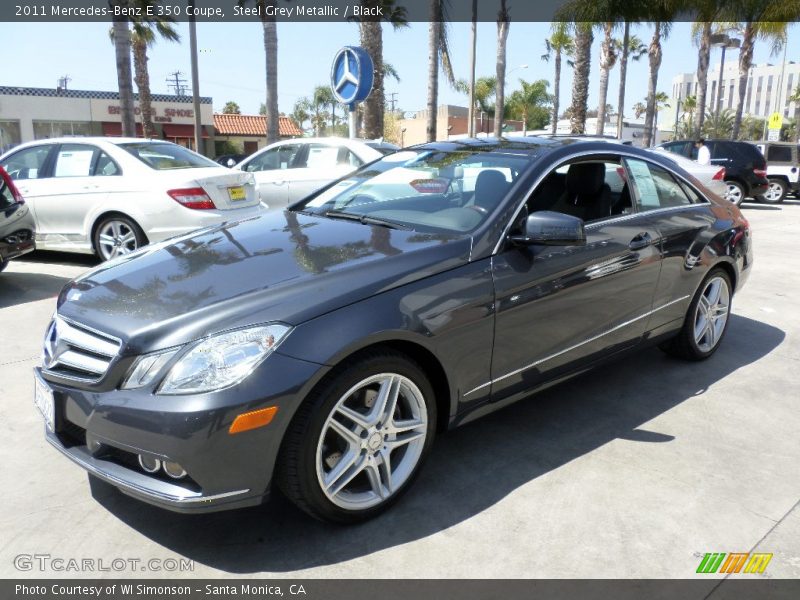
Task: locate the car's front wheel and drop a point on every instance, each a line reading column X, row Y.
column 116, row 235
column 735, row 193
column 775, row 192
column 358, row 440
column 706, row 320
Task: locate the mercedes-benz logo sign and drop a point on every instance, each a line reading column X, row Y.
column 351, row 75
column 49, row 353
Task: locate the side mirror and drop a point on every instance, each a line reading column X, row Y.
column 551, row 229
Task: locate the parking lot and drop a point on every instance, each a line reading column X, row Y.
column 635, row 471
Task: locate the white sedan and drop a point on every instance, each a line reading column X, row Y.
column 290, row 170
column 711, row 176
column 112, row 195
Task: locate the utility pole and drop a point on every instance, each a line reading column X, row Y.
column 198, row 132
column 393, row 100
column 177, row 83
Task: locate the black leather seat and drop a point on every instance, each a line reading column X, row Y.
column 490, row 187
column 587, row 195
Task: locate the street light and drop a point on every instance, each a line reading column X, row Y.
column 724, row 41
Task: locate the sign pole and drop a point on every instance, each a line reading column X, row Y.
column 352, row 121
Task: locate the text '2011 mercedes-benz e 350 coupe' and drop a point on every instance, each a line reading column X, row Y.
column 321, row 348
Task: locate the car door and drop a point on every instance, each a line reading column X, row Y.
column 73, row 192
column 681, row 216
column 560, row 308
column 29, row 168
column 323, row 163
column 272, row 169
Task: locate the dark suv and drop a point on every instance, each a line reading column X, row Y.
column 745, row 166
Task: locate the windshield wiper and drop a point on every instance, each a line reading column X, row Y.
column 364, row 219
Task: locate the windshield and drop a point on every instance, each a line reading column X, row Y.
column 424, row 189
column 163, row 156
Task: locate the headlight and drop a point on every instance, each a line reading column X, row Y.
column 214, row 363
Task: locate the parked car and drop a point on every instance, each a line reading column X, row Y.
column 782, row 170
column 745, row 167
column 110, row 196
column 382, row 146
column 230, row 160
column 290, row 170
column 711, row 176
column 321, row 348
column 16, row 222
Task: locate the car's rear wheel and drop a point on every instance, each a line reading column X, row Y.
column 358, row 440
column 775, row 193
column 706, row 320
column 735, row 193
column 117, row 235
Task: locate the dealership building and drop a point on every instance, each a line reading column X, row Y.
column 28, row 114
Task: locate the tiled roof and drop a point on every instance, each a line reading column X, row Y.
column 253, row 125
column 7, row 90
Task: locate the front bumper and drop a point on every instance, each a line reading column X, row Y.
column 16, row 245
column 104, row 432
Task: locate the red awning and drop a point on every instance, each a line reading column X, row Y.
column 171, row 130
column 115, row 129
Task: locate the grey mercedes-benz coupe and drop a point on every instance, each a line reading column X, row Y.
column 322, row 348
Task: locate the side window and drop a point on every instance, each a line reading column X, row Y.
column 654, row 187
column 321, row 156
column 590, row 190
column 28, row 163
column 282, row 157
column 105, row 166
column 779, row 153
column 682, row 148
column 74, row 160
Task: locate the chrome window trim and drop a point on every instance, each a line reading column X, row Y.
column 555, row 164
column 575, row 346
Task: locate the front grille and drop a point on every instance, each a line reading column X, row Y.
column 77, row 352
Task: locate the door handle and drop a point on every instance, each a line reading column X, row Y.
column 642, row 240
column 278, row 182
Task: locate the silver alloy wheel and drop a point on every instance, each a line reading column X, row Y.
column 371, row 441
column 711, row 314
column 735, row 194
column 774, row 193
column 115, row 238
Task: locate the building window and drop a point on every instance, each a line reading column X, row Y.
column 9, row 135
column 758, row 106
column 769, row 84
column 730, row 96
column 760, row 81
column 51, row 129
column 749, row 92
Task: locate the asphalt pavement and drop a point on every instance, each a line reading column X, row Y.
column 633, row 471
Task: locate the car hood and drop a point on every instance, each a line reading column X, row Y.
column 285, row 267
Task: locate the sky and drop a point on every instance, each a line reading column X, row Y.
column 231, row 59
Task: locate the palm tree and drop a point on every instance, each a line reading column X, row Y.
column 708, row 11
column 661, row 29
column 559, row 44
column 765, row 20
column 531, row 98
column 719, row 125
column 371, row 34
column 438, row 53
column 580, row 79
column 608, row 58
column 270, row 33
column 301, row 112
column 122, row 49
column 662, row 102
column 485, row 88
column 635, row 49
column 503, row 24
column 795, row 97
column 639, row 109
column 689, row 106
column 231, row 108
column 145, row 30
column 323, row 96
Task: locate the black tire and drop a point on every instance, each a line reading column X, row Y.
column 3, row 264
column 297, row 468
column 736, row 192
column 684, row 345
column 776, row 193
column 127, row 227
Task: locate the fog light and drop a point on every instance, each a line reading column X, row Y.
column 174, row 470
column 148, row 464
